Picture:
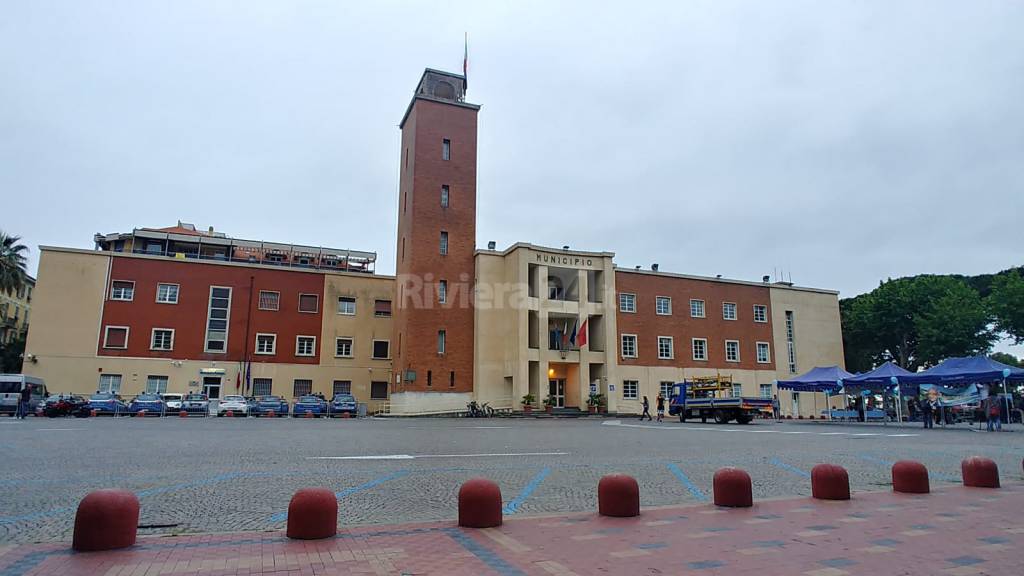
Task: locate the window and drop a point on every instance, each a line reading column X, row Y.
column 167, row 293
column 728, row 310
column 764, row 355
column 444, row 196
column 665, row 348
column 382, row 308
column 262, row 386
column 737, row 390
column 430, row 378
column 122, row 290
column 663, row 306
column 629, row 346
column 115, row 337
column 381, row 349
column 302, row 388
column 217, row 318
column 156, row 384
column 342, row 387
column 446, row 149
column 270, row 300
column 347, row 305
column 266, row 343
column 700, row 349
column 790, row 342
column 444, row 243
column 305, row 345
column 630, row 389
column 441, row 338
column 451, row 379
column 766, row 390
column 343, row 347
column 760, row 313
column 732, row 350
column 666, row 388
column 378, row 390
column 627, row 302
column 162, row 339
column 110, row 384
column 442, row 292
column 696, row 308
column 309, row 303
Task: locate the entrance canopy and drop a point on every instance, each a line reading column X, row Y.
column 879, row 380
column 964, row 371
column 817, row 379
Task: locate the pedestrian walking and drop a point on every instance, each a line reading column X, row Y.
column 926, row 413
column 660, row 401
column 775, row 406
column 994, row 421
column 647, row 410
column 23, row 403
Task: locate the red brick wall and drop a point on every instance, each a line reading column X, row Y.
column 648, row 325
column 188, row 316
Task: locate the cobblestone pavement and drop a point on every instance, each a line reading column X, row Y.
column 954, row 531
column 216, row 475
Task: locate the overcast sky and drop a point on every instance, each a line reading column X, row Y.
column 843, row 142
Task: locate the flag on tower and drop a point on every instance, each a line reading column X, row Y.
column 572, row 336
column 581, row 338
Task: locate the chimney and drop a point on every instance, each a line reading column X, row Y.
column 491, row 245
column 654, row 266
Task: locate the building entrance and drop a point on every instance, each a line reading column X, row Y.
column 556, row 390
column 211, row 387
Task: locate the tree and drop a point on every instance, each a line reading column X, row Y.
column 1008, row 359
column 1006, row 303
column 954, row 323
column 11, row 356
column 13, row 262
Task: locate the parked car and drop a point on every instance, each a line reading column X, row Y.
column 63, row 405
column 309, row 404
column 344, row 403
column 172, row 401
column 196, row 403
column 107, row 403
column 10, row 392
column 265, row 404
column 237, row 405
column 153, row 404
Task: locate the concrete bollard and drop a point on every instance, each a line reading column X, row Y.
column 980, row 472
column 308, row 414
column 733, row 488
column 140, row 414
column 106, row 520
column 270, row 413
column 346, row 415
column 910, row 477
column 830, row 482
column 231, row 414
column 479, row 504
column 92, row 413
column 312, row 514
column 618, row 495
column 182, row 414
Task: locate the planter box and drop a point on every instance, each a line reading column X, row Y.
column 527, row 409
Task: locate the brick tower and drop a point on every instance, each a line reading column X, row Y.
column 433, row 339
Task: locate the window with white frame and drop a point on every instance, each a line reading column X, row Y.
column 262, row 386
column 381, row 349
column 665, row 351
column 382, row 308
column 700, row 349
column 737, row 390
column 764, row 355
column 217, row 317
column 115, row 337
column 122, row 290
column 162, row 339
column 663, row 306
column 444, row 243
column 665, row 388
column 791, row 341
column 630, row 389
column 728, row 310
column 270, row 300
column 627, row 302
column 266, row 343
column 342, row 387
column 444, row 196
column 442, row 341
column 696, row 308
column 760, row 313
column 732, row 350
column 347, row 305
column 167, row 293
column 110, row 384
column 302, row 387
column 766, row 390
column 305, row 345
column 343, row 347
column 629, row 345
column 442, row 291
column 156, row 384
column 309, row 303
column 446, row 149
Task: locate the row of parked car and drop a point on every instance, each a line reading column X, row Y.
column 170, row 403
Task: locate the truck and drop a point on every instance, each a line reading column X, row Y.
column 712, row 397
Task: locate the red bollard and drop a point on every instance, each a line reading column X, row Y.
column 92, row 413
column 980, row 472
column 479, row 504
column 618, row 495
column 313, row 514
column 140, row 414
column 231, row 413
column 910, row 477
column 733, row 488
column 346, row 415
column 270, row 413
column 182, row 414
column 830, row 482
column 308, row 414
column 106, row 520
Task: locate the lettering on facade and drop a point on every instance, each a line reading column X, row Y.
column 564, row 260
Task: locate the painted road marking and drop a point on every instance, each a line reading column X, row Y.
column 58, row 429
column 792, row 469
column 415, row 456
column 513, row 505
column 697, row 493
column 750, row 431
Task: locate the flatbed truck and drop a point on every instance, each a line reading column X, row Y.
column 711, row 397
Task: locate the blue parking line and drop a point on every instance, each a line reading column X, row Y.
column 935, row 475
column 694, row 490
column 513, row 505
column 793, row 469
column 282, row 516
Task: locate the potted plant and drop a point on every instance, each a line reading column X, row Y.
column 549, row 404
column 594, row 401
column 528, row 401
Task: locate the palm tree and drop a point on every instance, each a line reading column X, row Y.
column 13, row 262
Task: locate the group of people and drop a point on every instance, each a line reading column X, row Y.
column 647, row 409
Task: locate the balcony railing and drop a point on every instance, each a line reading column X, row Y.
column 313, row 264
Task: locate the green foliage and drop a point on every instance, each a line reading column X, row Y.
column 529, row 399
column 1006, row 303
column 13, row 262
column 11, row 356
column 1008, row 359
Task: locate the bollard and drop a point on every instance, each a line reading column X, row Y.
column 313, row 514
column 733, row 488
column 479, row 504
column 980, row 472
column 106, row 520
column 910, row 477
column 618, row 495
column 140, row 414
column 346, row 415
column 92, row 413
column 182, row 414
column 308, row 414
column 270, row 413
column 830, row 482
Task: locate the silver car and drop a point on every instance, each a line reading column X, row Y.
column 237, row 405
column 172, row 401
column 196, row 404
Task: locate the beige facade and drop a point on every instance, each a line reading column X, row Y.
column 15, row 309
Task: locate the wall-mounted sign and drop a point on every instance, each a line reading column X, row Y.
column 611, row 387
column 211, row 371
column 564, row 260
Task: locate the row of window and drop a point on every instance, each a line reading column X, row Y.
column 663, row 307
column 698, row 347
column 631, row 389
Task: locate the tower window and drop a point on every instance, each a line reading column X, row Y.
column 451, row 378
column 441, row 341
column 446, row 149
column 444, row 196
column 430, row 378
column 444, row 243
column 442, row 292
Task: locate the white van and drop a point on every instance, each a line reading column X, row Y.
column 11, row 386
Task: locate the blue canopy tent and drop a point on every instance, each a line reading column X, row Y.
column 961, row 372
column 827, row 379
column 881, row 380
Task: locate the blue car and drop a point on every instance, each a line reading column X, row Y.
column 106, row 403
column 267, row 403
column 153, row 404
column 343, row 403
column 310, row 404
